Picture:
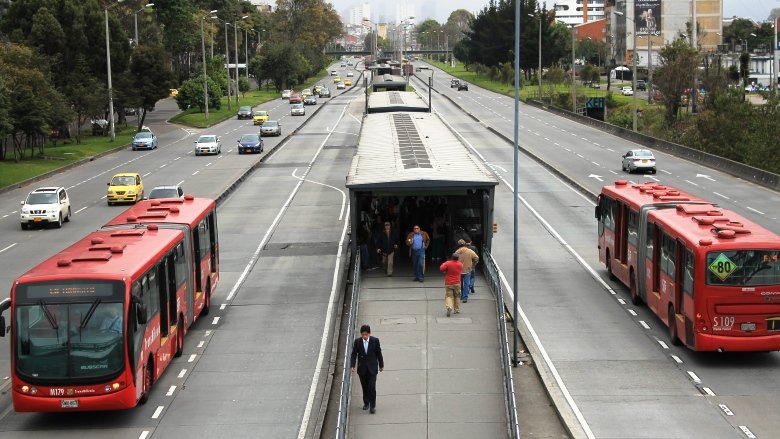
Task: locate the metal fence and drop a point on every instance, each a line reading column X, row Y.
column 346, row 377
column 490, row 270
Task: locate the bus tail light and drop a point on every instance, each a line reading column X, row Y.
column 701, row 324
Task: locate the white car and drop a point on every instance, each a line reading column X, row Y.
column 340, row 86
column 639, row 160
column 627, row 91
column 208, row 144
column 297, row 110
column 286, row 94
column 333, row 73
column 45, row 205
column 350, row 74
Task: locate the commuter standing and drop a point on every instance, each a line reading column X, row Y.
column 452, row 279
column 367, row 360
column 473, row 268
column 417, row 241
column 468, row 258
column 387, row 243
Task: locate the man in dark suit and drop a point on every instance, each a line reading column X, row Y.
column 367, row 353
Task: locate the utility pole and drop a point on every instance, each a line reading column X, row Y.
column 110, row 88
column 227, row 64
column 695, row 42
column 235, row 52
column 573, row 74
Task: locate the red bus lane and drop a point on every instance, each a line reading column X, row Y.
column 94, row 326
column 711, row 275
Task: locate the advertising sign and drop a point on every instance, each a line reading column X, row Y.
column 647, row 17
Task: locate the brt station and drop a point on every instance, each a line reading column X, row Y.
column 410, row 169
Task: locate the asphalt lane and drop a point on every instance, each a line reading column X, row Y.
column 613, row 358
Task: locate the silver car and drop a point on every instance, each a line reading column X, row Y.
column 297, row 110
column 167, row 191
column 271, row 128
column 639, row 159
column 208, row 144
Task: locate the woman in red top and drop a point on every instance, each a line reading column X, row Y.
column 452, row 270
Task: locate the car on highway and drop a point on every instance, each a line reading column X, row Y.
column 125, row 187
column 337, row 79
column 296, row 99
column 259, row 117
column 350, row 74
column 347, row 82
column 463, row 86
column 144, row 140
column 324, row 92
column 305, row 92
column 454, row 83
column 166, row 191
column 627, row 91
column 45, row 205
column 641, row 85
column 244, row 112
column 310, row 100
column 286, row 94
column 297, row 110
column 333, row 73
column 250, row 143
column 271, row 128
column 340, row 86
column 317, row 89
column 639, row 160
column 208, row 144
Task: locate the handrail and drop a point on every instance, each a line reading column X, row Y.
column 342, row 423
column 490, row 271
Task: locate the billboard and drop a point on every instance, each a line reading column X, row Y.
column 647, row 17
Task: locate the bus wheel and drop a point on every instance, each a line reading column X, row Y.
column 673, row 338
column 635, row 299
column 205, row 310
column 179, row 338
column 148, row 380
column 609, row 267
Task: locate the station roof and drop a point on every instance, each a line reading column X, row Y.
column 413, row 151
column 381, row 102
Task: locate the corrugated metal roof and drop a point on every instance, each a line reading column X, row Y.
column 396, row 101
column 380, row 162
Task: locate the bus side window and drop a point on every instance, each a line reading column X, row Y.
column 154, row 292
column 180, row 264
column 668, row 255
column 633, row 226
column 688, row 273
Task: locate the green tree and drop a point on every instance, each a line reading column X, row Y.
column 678, row 59
column 191, row 94
column 86, row 95
column 243, row 85
column 590, row 73
column 150, row 79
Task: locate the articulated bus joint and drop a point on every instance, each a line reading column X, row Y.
column 4, row 305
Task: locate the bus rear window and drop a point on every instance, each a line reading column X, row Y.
column 743, row 267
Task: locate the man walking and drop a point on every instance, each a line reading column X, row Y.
column 387, row 243
column 468, row 258
column 367, row 353
column 452, row 273
column 417, row 241
column 473, row 248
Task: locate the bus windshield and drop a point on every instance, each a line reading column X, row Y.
column 69, row 339
column 743, row 267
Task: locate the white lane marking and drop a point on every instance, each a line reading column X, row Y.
column 146, row 174
column 144, row 434
column 177, row 158
column 708, row 391
column 158, row 411
column 80, row 210
column 195, row 172
column 171, row 390
column 229, row 150
column 163, row 165
column 690, row 182
column 353, row 116
column 663, row 344
column 8, row 247
column 343, row 195
column 6, row 216
column 632, row 312
column 215, row 321
column 221, row 307
column 595, row 163
column 694, row 377
column 644, row 325
column 209, row 164
column 726, row 409
column 622, row 302
column 749, row 434
column 665, row 171
column 200, row 344
column 221, row 156
column 756, row 211
column 610, row 150
column 180, row 183
column 104, row 197
column 208, row 332
column 678, row 360
column 613, row 172
column 580, row 155
column 705, row 176
column 596, row 144
column 721, row 195
column 182, row 373
column 192, row 358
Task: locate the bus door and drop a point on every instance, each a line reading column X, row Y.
column 162, row 281
column 196, row 263
column 182, row 259
column 668, row 275
column 644, row 253
column 170, row 268
column 213, row 242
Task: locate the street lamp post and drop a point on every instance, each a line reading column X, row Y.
column 227, row 64
column 539, row 70
column 773, row 81
column 205, row 77
column 135, row 20
column 633, row 65
column 235, row 51
column 108, row 68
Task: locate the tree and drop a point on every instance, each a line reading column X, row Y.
column 86, row 95
column 678, row 59
column 191, row 94
column 590, row 73
column 150, row 79
column 458, row 23
column 243, row 85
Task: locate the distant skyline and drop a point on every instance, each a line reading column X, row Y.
column 440, row 10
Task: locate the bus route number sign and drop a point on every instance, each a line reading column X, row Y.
column 722, row 267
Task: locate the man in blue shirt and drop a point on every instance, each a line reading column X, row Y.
column 417, row 241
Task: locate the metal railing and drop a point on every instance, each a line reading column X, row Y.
column 493, row 280
column 342, row 423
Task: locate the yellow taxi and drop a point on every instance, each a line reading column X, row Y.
column 317, row 89
column 305, row 92
column 337, row 79
column 347, row 82
column 259, row 116
column 125, row 187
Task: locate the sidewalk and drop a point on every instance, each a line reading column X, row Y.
column 442, row 376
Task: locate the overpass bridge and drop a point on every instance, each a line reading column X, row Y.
column 337, row 52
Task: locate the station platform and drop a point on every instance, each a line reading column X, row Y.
column 442, row 376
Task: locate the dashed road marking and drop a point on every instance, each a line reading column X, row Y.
column 182, row 373
column 195, row 172
column 622, row 302
column 171, row 390
column 665, row 171
column 694, row 377
column 644, row 325
column 756, row 211
column 723, row 196
column 80, row 210
column 215, row 321
column 708, row 391
column 663, row 344
column 144, row 434
column 158, row 411
column 747, row 432
column 200, row 344
column 726, row 409
column 192, row 358
column 678, row 360
column 632, row 312
column 8, row 247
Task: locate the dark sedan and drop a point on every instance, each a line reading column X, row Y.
column 271, row 128
column 250, row 143
column 245, row 112
column 324, row 92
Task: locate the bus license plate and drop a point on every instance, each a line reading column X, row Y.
column 69, row 403
column 748, row 326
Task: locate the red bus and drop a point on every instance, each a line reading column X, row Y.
column 197, row 218
column 95, row 325
column 712, row 276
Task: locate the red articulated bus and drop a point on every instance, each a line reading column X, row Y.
column 197, row 218
column 711, row 275
column 95, row 325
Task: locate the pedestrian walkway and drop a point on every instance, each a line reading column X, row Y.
column 442, row 376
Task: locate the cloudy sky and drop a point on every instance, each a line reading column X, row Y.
column 440, row 9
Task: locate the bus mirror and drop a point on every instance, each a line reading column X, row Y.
column 598, row 212
column 2, row 326
column 140, row 313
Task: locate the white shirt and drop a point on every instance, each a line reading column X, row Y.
column 365, row 346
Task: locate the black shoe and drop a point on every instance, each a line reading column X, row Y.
column 373, row 410
column 464, row 301
column 365, row 406
column 449, row 311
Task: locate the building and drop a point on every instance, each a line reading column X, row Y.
column 574, row 12
column 357, row 14
column 262, row 5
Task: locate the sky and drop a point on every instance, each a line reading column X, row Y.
column 441, row 9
